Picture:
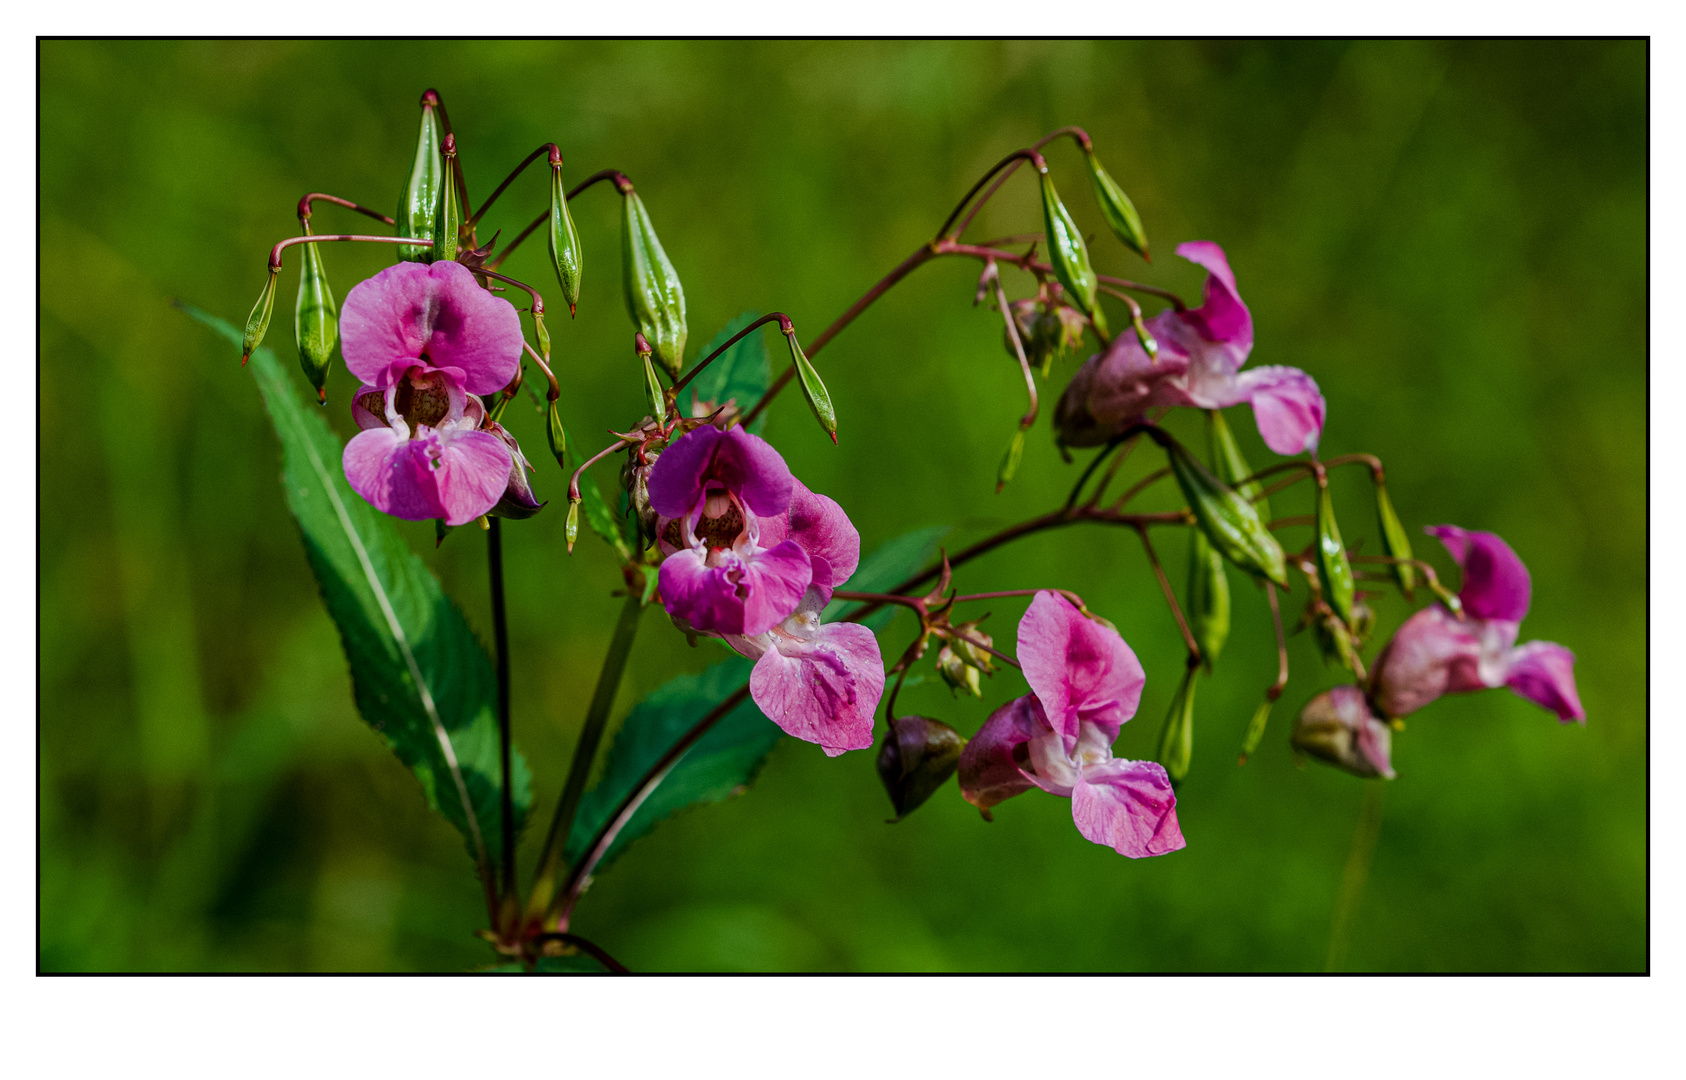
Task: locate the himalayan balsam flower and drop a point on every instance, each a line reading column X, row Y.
column 1085, row 683
column 426, row 339
column 1199, row 364
column 1435, row 653
column 752, row 556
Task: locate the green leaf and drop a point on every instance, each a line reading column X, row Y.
column 721, row 764
column 602, row 520
column 890, row 564
column 419, row 675
column 742, row 373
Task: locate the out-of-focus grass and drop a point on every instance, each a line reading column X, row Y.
column 1449, row 237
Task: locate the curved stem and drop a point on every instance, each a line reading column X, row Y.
column 585, row 945
column 555, row 159
column 317, row 196
column 1011, row 159
column 579, row 769
column 623, row 183
column 1029, row 417
column 1170, row 598
column 1077, row 133
column 574, row 482
column 778, row 316
column 1281, row 683
column 275, row 252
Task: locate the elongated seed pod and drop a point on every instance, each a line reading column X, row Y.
column 565, row 250
column 1116, row 207
column 419, row 201
column 1334, row 572
column 1228, row 520
column 654, row 297
column 1068, row 254
column 315, row 320
column 1208, row 598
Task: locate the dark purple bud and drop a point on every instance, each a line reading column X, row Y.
column 517, row 501
column 916, row 758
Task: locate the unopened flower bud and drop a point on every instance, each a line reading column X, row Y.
column 1228, row 520
column 1116, row 207
column 963, row 659
column 1337, row 727
column 958, row 674
column 257, row 323
column 565, row 250
column 654, row 297
column 1395, row 542
column 1176, row 738
column 652, row 384
column 1363, row 622
column 419, row 203
column 1208, row 598
column 1334, row 572
column 315, row 320
column 517, row 502
column 916, row 758
column 1068, row 254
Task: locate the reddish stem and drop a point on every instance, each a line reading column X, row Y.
column 317, row 196
column 555, row 154
column 275, row 252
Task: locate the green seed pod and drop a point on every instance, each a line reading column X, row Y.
column 917, row 757
column 1208, row 598
column 541, row 332
column 1334, row 572
column 572, row 532
column 419, row 203
column 1176, row 738
column 447, row 221
column 1228, row 520
column 1067, row 253
column 1395, row 542
column 1010, row 460
column 1116, row 207
column 257, row 323
column 557, row 437
column 565, row 250
column 1228, row 463
column 1255, row 730
column 812, row 388
column 654, row 296
column 315, row 320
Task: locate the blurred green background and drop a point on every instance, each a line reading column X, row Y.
column 1449, row 237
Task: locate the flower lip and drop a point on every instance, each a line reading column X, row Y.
column 1496, row 584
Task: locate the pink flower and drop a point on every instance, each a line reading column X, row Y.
column 1199, row 364
column 818, row 682
column 1085, row 683
column 1435, row 653
column 714, row 492
column 752, row 556
column 425, row 339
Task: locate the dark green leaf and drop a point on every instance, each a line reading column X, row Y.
column 721, row 764
column 742, row 373
column 419, row 675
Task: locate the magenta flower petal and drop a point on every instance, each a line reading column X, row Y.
column 746, row 465
column 772, row 586
column 434, row 314
column 738, row 594
column 1544, row 673
column 1222, row 317
column 1430, row 655
column 1079, row 669
column 454, row 475
column 989, row 769
column 821, row 686
column 1287, row 405
column 1496, row 584
column 824, row 531
column 1129, row 807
